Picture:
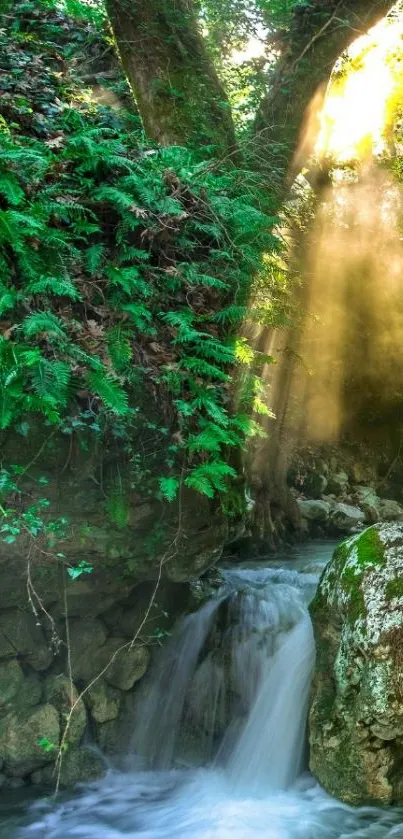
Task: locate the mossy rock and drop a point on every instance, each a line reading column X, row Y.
column 29, row 741
column 63, row 695
column 356, row 717
column 78, row 766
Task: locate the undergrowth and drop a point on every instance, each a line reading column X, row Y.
column 125, row 269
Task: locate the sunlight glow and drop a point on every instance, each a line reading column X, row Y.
column 354, row 115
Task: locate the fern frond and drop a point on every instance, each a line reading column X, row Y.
column 43, row 323
column 55, row 286
column 109, row 391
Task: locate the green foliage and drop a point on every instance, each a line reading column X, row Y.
column 125, row 274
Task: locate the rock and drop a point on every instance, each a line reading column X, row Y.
column 109, row 737
column 369, row 502
column 86, row 637
column 26, row 638
column 63, row 695
column 343, row 517
column 3, row 781
column 314, row 510
column 127, row 667
column 390, row 510
column 104, row 701
column 337, row 483
column 20, row 734
column 78, row 766
column 30, row 692
column 15, row 783
column 11, row 681
column 356, row 716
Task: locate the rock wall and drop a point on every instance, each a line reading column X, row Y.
column 45, row 667
column 57, row 633
column 356, row 717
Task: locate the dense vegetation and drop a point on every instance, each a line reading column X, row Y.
column 128, row 265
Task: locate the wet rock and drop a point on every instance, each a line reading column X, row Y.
column 368, row 501
column 20, row 736
column 63, row 695
column 343, row 517
column 128, row 665
column 337, row 483
column 30, row 692
column 11, row 681
column 25, row 638
column 104, row 701
column 86, row 638
column 15, row 783
column 78, row 766
column 390, row 510
column 356, row 717
column 314, row 510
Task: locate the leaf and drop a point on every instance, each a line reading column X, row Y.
column 169, row 487
column 109, row 391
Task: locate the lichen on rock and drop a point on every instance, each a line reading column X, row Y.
column 356, row 718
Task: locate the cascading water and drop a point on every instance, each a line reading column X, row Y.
column 221, row 728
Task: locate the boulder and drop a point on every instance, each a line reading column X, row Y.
column 20, row 631
column 86, row 637
column 62, row 694
column 314, row 510
column 343, row 517
column 29, row 740
column 125, row 667
column 368, row 501
column 356, row 716
column 104, row 701
column 11, row 681
column 337, row 483
column 78, row 766
column 390, row 510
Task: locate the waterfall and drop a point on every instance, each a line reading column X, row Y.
column 160, row 712
column 228, row 691
column 231, row 686
column 269, row 753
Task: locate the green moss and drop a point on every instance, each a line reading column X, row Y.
column 394, row 588
column 366, row 551
column 370, row 549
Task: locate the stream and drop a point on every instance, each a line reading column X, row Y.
column 218, row 747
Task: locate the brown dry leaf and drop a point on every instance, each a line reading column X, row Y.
column 55, row 142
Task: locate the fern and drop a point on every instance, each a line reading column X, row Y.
column 202, row 368
column 44, row 323
column 119, row 347
column 208, row 478
column 56, row 286
column 11, row 190
column 50, row 381
column 109, row 391
column 169, row 487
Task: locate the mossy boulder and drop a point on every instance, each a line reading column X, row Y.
column 29, row 740
column 104, row 701
column 356, row 716
column 78, row 766
column 63, row 695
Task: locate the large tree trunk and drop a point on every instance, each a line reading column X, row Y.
column 287, row 124
column 177, row 90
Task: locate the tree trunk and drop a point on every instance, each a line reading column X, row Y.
column 177, row 90
column 287, row 122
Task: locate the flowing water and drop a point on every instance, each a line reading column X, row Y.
column 218, row 745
